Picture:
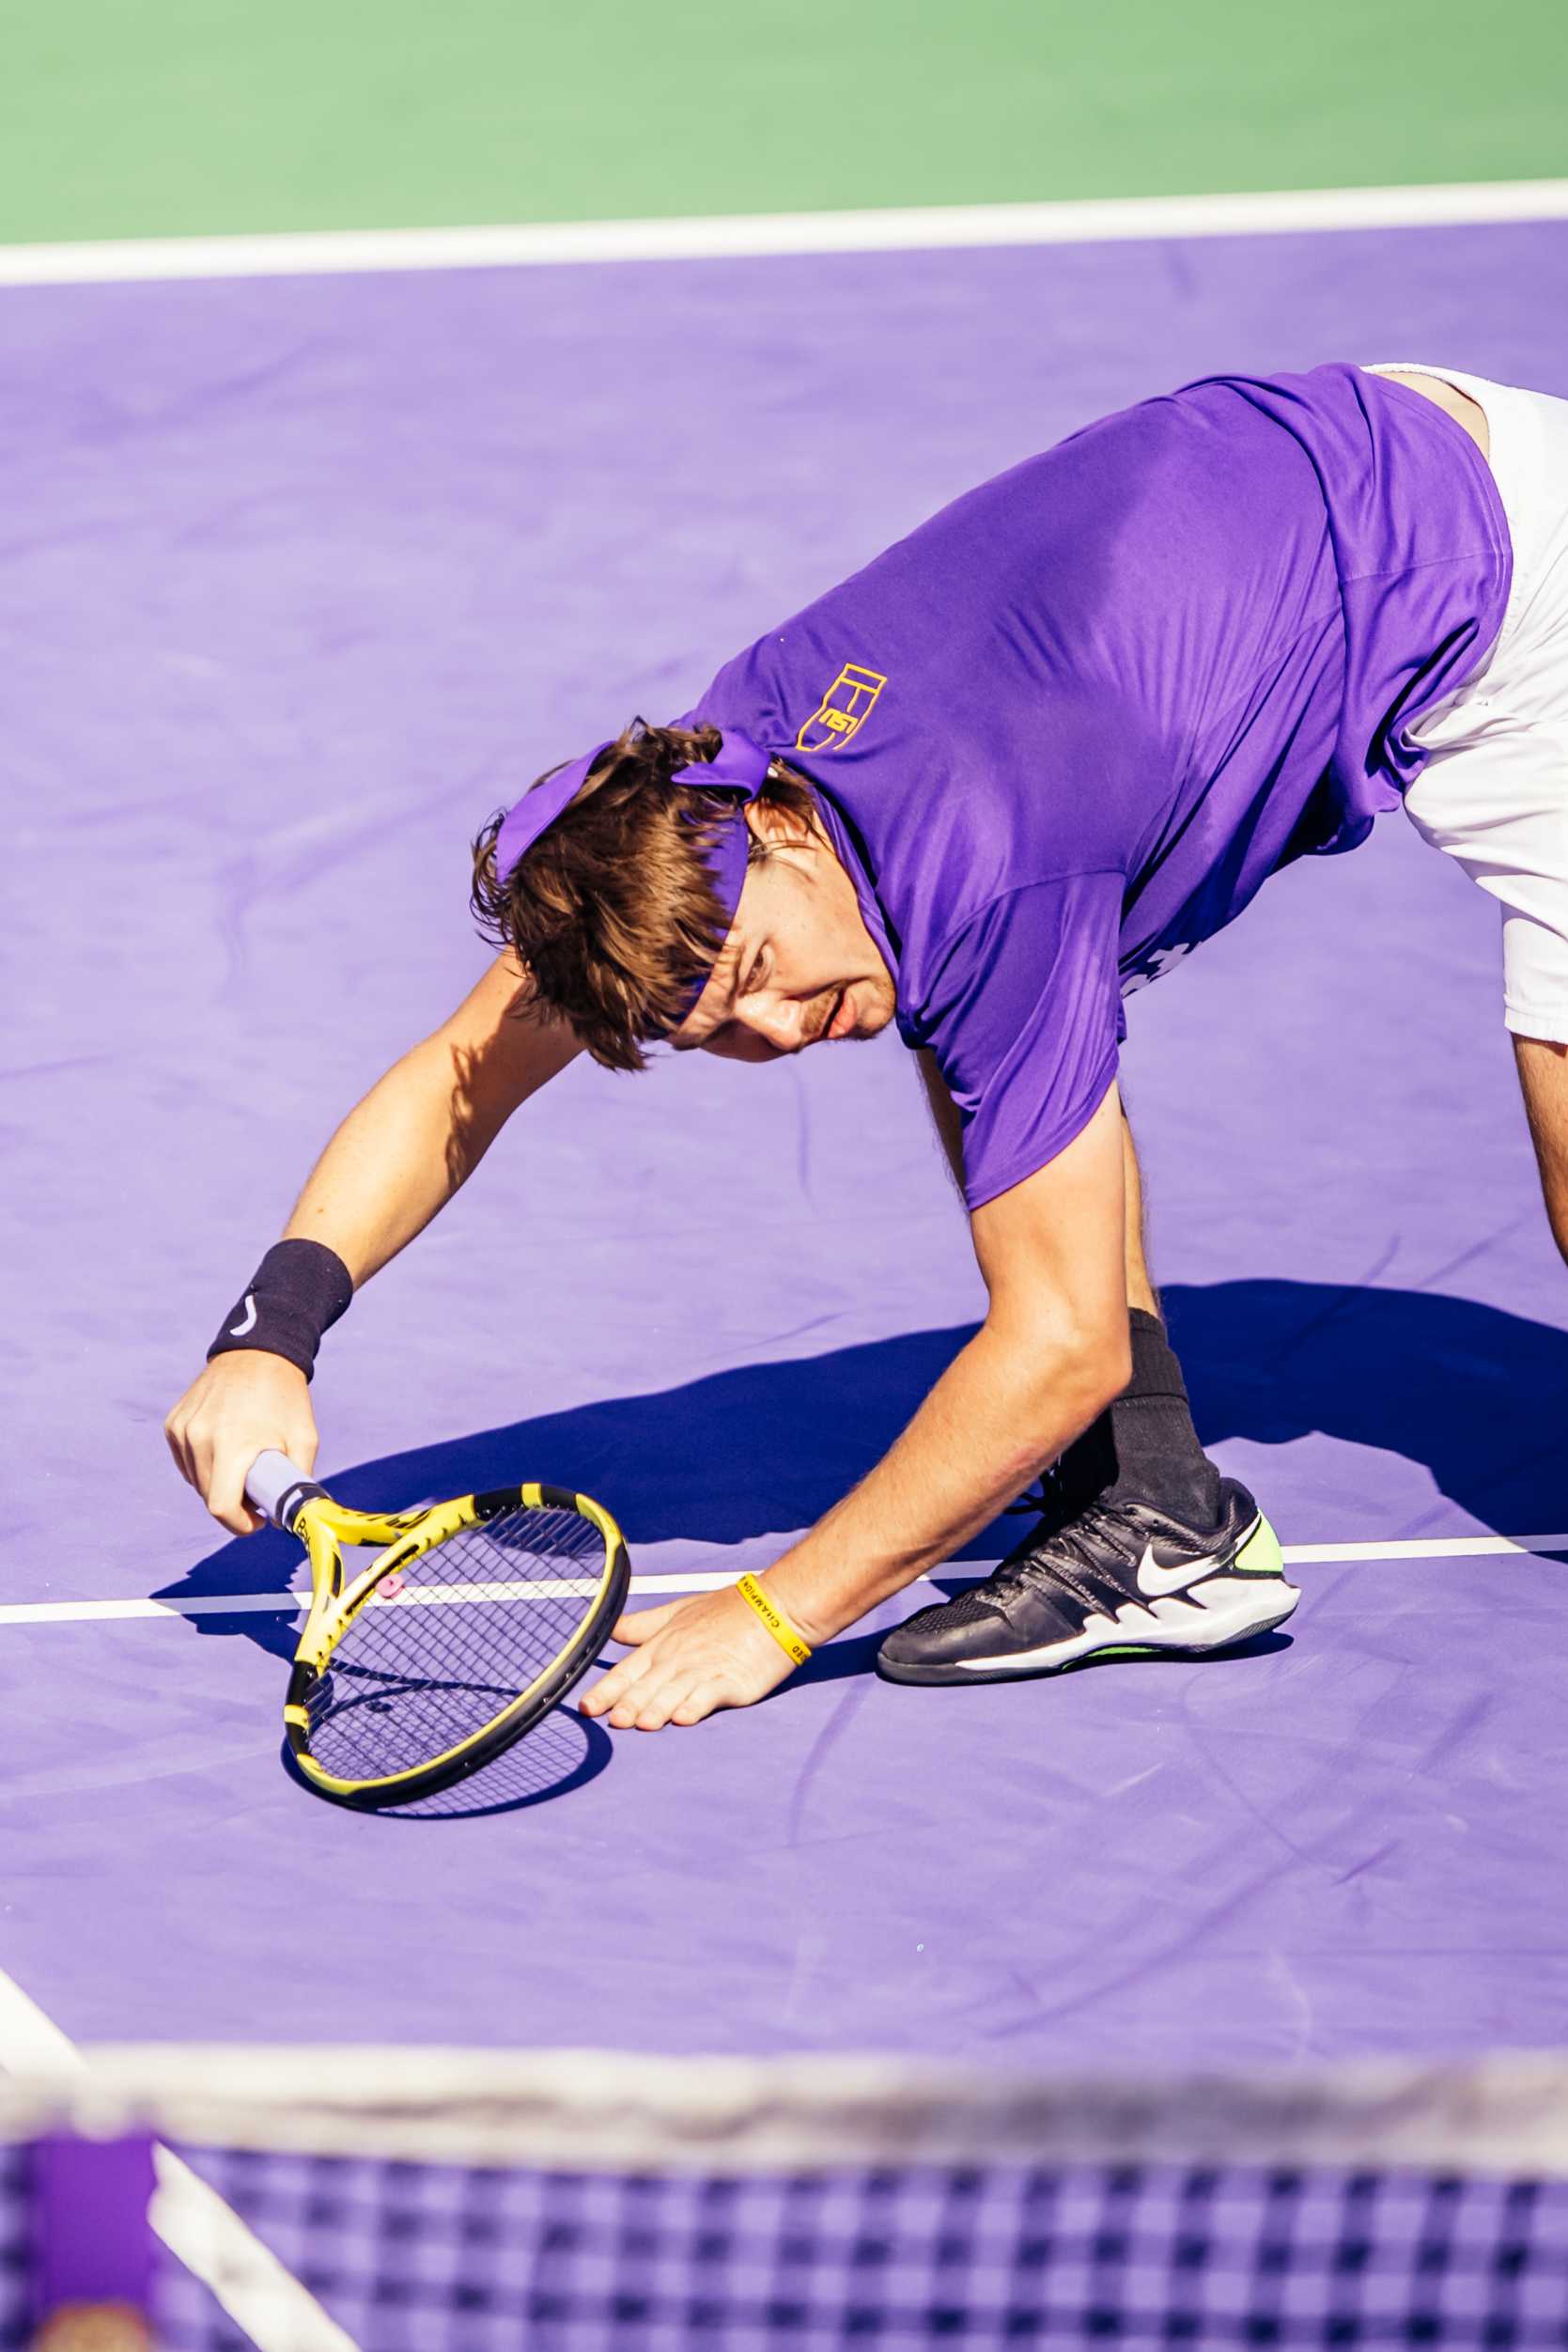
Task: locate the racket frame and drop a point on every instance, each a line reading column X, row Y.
column 325, row 1527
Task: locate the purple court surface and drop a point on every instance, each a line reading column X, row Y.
column 300, row 579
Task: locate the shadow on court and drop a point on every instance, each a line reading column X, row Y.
column 855, row 1654
column 566, row 1752
column 1472, row 1392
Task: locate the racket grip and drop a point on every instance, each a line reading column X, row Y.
column 277, row 1487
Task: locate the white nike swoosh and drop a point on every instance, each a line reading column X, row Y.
column 247, row 1321
column 1153, row 1579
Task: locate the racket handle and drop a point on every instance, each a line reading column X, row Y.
column 277, row 1487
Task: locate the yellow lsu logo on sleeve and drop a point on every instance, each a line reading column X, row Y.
column 843, row 710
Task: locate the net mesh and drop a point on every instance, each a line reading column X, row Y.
column 423, row 2259
column 450, row 1642
column 402, row 2200
column 15, row 2246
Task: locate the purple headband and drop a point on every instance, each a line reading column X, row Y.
column 742, row 767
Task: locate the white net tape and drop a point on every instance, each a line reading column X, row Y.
column 596, row 2110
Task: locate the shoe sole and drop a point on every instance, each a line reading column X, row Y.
column 1235, row 1601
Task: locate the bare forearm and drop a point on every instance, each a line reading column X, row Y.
column 390, row 1166
column 1000, row 1412
column 424, row 1127
column 1052, row 1354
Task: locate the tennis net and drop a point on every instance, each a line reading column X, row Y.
column 401, row 2200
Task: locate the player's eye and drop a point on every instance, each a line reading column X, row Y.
column 754, row 976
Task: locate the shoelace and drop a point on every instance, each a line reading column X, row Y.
column 1076, row 1541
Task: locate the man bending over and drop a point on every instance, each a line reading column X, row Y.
column 1016, row 767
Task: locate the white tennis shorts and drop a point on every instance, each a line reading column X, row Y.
column 1494, row 792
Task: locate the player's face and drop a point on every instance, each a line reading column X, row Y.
column 798, row 968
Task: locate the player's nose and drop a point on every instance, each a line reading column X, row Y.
column 779, row 1021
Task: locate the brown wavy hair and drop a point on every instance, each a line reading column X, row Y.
column 612, row 913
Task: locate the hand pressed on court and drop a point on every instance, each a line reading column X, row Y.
column 239, row 1407
column 688, row 1659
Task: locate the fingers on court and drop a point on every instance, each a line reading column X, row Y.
column 640, row 1700
column 707, row 1699
column 627, row 1692
column 648, row 1709
column 609, row 1687
column 684, row 1702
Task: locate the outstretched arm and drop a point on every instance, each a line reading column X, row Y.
column 1543, row 1078
column 1051, row 1353
column 396, row 1160
column 424, row 1127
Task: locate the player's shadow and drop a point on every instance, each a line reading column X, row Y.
column 1473, row 1392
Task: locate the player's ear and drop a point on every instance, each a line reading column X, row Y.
column 777, row 826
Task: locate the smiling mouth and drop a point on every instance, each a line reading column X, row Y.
column 836, row 1025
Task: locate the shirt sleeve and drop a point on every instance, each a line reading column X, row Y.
column 1022, row 1013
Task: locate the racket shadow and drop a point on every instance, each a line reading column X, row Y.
column 558, row 1756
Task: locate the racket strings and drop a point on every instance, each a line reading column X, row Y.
column 453, row 1640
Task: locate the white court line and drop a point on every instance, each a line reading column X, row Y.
column 289, row 1604
column 1429, row 1547
column 277, row 2313
column 896, row 228
column 21, row 1612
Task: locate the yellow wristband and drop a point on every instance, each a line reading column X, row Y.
column 787, row 1635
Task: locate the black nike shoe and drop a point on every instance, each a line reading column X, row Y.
column 1117, row 1579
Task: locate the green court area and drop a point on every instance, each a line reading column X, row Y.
column 209, row 116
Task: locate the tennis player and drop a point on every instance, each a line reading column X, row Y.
column 1021, row 764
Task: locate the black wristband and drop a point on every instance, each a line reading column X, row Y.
column 297, row 1292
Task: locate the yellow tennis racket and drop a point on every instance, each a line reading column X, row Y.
column 472, row 1620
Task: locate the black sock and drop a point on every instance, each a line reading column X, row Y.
column 1144, row 1443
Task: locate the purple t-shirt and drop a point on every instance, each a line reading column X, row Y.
column 1065, row 730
